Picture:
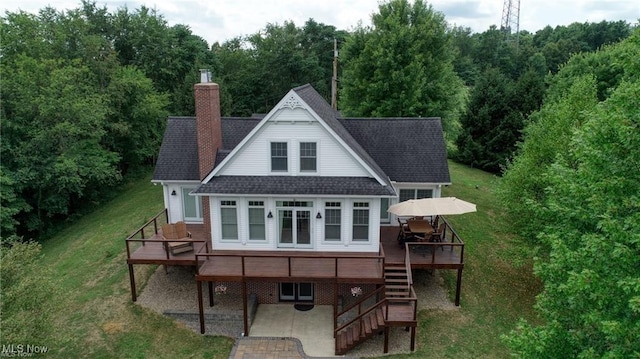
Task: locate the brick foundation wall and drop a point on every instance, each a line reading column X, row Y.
column 268, row 292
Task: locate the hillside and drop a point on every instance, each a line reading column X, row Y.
column 93, row 316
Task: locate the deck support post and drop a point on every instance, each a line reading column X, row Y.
column 132, row 279
column 413, row 338
column 335, row 308
column 200, row 306
column 458, row 285
column 210, row 293
column 386, row 339
column 244, row 308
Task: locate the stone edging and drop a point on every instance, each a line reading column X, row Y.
column 295, row 340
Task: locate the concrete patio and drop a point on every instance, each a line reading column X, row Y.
column 314, row 328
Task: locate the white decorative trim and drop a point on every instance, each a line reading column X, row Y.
column 291, row 102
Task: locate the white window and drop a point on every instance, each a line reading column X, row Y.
column 384, row 205
column 256, row 220
column 332, row 221
column 360, row 221
column 279, row 157
column 406, row 194
column 308, row 156
column 229, row 219
column 191, row 206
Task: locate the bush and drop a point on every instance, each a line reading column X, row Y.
column 26, row 288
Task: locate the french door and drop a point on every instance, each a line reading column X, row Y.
column 294, row 226
column 296, row 292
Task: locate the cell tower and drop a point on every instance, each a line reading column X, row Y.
column 511, row 18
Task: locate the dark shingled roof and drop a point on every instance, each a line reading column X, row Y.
column 235, row 129
column 402, row 149
column 407, row 149
column 295, row 185
column 330, row 116
column 178, row 157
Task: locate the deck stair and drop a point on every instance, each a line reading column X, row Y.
column 360, row 329
column 396, row 281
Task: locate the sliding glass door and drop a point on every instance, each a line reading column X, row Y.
column 298, row 292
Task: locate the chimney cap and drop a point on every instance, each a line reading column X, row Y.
column 205, row 76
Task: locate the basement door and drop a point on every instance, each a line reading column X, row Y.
column 296, row 292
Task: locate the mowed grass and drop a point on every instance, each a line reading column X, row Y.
column 498, row 286
column 95, row 317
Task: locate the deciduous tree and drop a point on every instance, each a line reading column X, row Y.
column 590, row 305
column 401, row 66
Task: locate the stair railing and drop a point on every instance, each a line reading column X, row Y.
column 407, row 266
column 361, row 314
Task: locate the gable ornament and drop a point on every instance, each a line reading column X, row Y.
column 291, row 102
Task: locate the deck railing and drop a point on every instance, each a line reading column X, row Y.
column 156, row 221
column 378, row 294
column 201, row 258
column 150, row 232
column 150, row 228
column 449, row 240
column 407, row 267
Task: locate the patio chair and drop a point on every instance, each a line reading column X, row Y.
column 438, row 236
column 404, row 235
column 177, row 231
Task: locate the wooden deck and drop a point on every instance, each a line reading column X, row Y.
column 151, row 250
column 425, row 255
column 422, row 255
column 291, row 266
column 146, row 246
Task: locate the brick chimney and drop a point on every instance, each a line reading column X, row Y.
column 208, row 122
column 209, row 132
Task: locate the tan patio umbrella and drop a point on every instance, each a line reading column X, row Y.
column 432, row 207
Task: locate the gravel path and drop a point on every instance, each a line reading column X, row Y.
column 177, row 291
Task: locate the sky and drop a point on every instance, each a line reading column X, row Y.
column 220, row 20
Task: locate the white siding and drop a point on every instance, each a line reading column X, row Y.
column 293, row 126
column 317, row 226
column 173, row 203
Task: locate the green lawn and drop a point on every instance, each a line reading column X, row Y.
column 94, row 316
column 498, row 286
column 94, row 312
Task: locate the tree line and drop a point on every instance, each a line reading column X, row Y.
column 85, row 94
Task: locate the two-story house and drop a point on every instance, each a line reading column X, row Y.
column 292, row 204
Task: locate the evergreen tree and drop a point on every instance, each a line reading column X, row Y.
column 490, row 127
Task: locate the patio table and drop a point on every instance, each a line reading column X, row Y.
column 421, row 228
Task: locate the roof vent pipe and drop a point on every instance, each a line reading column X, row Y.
column 205, row 76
